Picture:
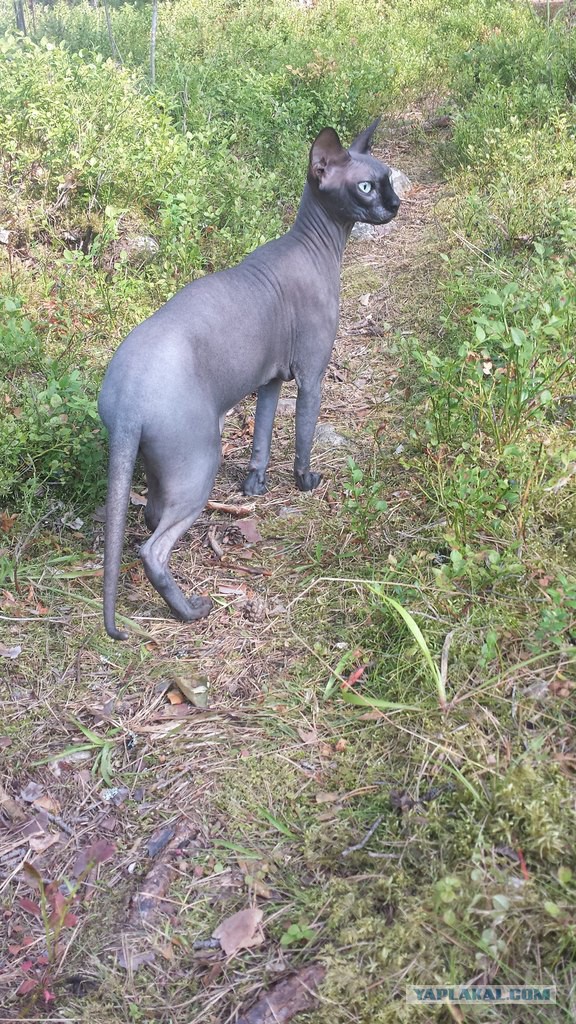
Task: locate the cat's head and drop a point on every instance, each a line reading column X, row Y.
column 350, row 183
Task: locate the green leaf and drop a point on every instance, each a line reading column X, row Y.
column 552, row 908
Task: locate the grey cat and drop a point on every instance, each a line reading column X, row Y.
column 272, row 318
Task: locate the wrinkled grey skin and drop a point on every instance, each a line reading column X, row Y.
column 270, row 319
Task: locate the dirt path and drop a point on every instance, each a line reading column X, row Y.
column 216, row 774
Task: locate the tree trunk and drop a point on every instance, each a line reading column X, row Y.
column 112, row 41
column 19, row 15
column 153, row 28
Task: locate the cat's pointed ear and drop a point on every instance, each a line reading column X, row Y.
column 326, row 150
column 362, row 143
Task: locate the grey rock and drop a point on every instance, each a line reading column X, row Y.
column 327, row 437
column 286, row 407
column 361, row 232
column 401, row 182
column 140, row 248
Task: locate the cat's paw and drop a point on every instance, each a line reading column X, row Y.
column 307, row 481
column 197, row 608
column 255, row 483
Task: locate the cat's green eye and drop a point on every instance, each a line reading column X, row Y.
column 365, row 186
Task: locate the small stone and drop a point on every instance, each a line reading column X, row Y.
column 286, row 407
column 327, row 437
column 400, row 182
column 139, row 249
column 363, row 232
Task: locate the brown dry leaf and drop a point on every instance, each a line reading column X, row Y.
column 340, row 745
column 167, row 951
column 249, row 530
column 10, row 807
column 7, row 522
column 328, row 798
column 38, row 844
column 241, row 931
column 138, row 499
column 175, row 697
column 47, row 803
column 309, row 736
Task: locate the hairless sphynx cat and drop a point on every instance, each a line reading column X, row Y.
column 270, row 319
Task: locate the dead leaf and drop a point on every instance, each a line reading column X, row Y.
column 47, row 803
column 10, row 652
column 249, row 530
column 241, row 931
column 10, row 807
column 7, row 522
column 30, row 906
column 328, row 798
column 354, row 677
column 98, row 852
column 309, row 736
column 138, row 499
column 38, row 844
column 131, row 960
column 32, row 791
column 175, row 697
column 340, row 745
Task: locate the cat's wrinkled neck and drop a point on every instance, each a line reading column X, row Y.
column 316, row 226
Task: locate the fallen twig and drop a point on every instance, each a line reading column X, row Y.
column 369, row 834
column 233, row 510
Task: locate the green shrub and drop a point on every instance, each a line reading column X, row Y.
column 50, row 432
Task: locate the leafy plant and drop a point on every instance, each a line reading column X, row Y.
column 18, row 341
column 54, row 911
column 296, row 933
column 51, row 436
column 363, row 501
column 100, row 746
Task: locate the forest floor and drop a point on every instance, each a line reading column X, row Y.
column 164, row 784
